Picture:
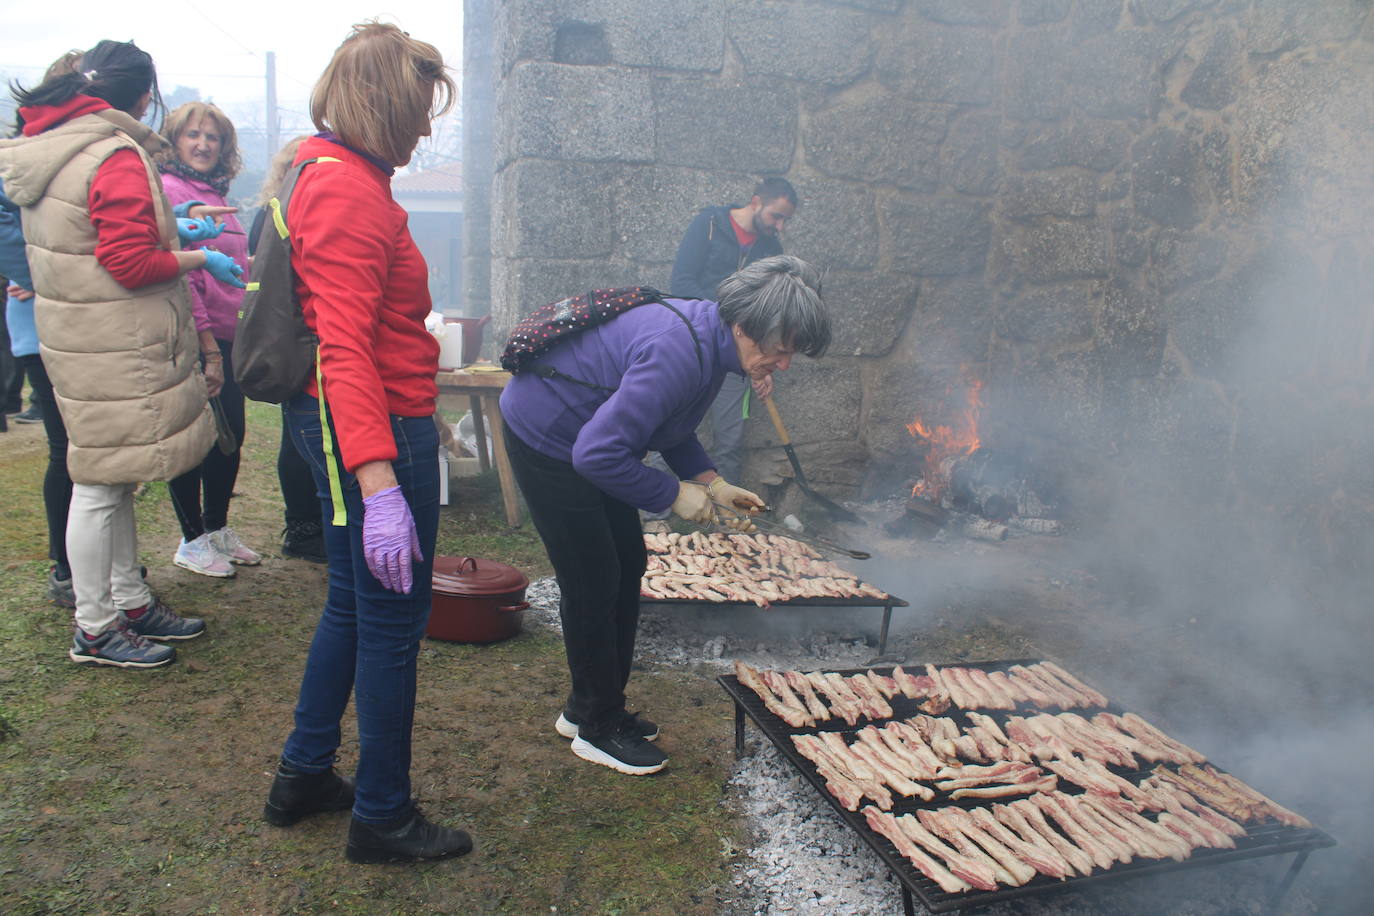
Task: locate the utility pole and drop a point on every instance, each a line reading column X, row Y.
column 273, row 127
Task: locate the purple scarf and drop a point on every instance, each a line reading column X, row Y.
column 218, row 179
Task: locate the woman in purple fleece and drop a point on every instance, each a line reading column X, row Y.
column 577, row 438
column 202, row 162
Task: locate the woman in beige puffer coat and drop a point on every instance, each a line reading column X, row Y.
column 115, row 331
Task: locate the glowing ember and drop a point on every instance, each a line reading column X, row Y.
column 946, row 441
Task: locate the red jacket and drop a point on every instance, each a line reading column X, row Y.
column 129, row 245
column 364, row 289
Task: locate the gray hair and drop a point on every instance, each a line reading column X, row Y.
column 777, row 300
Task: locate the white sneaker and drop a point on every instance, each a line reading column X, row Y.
column 227, row 542
column 200, row 556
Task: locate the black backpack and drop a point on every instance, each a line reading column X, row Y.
column 544, row 328
column 274, row 350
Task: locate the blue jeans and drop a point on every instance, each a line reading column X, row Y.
column 368, row 637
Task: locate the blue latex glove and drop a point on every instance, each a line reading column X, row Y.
column 223, row 268
column 390, row 543
column 198, row 230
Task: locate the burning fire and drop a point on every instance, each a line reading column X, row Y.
column 953, row 440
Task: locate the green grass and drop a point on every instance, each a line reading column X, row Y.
column 141, row 792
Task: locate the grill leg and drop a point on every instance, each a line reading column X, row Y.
column 908, row 906
column 882, row 636
column 1298, row 861
column 739, row 731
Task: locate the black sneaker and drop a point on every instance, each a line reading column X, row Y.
column 622, row 750
column 409, row 838
column 121, row 647
column 60, row 591
column 296, row 794
column 640, row 725
column 304, row 541
column 32, row 415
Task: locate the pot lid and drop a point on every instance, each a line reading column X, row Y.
column 472, row 577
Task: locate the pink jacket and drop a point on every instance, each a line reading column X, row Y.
column 215, row 305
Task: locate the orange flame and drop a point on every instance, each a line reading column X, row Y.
column 960, row 437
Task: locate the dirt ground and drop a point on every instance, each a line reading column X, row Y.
column 140, row 792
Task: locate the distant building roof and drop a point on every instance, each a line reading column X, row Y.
column 446, row 179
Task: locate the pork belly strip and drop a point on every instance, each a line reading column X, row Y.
column 895, row 768
column 1082, row 836
column 749, row 677
column 980, row 874
column 910, row 740
column 1274, row 809
column 889, row 774
column 850, row 794
column 1004, row 683
column 1044, row 694
column 1044, row 784
column 1161, row 839
column 842, row 702
column 936, row 823
column 1142, row 729
column 1001, row 698
column 1026, row 819
column 1027, row 689
column 1039, row 855
column 949, row 688
column 1020, row 870
column 912, row 765
column 802, row 687
column 778, row 684
column 883, row 823
column 874, row 702
column 1094, row 697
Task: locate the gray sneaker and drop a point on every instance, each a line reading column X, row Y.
column 60, row 591
column 121, row 647
column 159, row 623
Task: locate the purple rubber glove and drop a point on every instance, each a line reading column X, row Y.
column 390, row 543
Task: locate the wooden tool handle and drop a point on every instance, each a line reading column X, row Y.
column 777, row 421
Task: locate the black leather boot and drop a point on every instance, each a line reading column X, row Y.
column 296, row 794
column 408, row 838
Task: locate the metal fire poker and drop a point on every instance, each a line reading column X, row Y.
column 769, row 526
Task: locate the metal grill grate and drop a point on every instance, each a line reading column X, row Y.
column 1260, row 840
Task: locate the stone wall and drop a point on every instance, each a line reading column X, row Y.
column 1145, row 225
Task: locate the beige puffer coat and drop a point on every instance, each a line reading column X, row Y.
column 124, row 363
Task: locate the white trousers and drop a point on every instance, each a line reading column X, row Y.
column 102, row 547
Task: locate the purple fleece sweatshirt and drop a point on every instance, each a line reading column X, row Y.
column 661, row 395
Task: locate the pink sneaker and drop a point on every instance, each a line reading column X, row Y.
column 227, row 542
column 200, row 556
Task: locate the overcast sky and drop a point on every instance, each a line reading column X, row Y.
column 219, row 48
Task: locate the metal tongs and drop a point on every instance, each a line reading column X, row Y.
column 725, row 515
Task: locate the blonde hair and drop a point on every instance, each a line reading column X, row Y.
column 277, row 169
column 380, row 91
column 191, row 113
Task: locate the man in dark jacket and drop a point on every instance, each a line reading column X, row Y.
column 718, row 242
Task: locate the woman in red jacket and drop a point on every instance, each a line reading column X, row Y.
column 370, row 439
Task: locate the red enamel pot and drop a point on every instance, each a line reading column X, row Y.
column 476, row 601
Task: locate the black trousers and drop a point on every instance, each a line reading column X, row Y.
column 57, row 485
column 597, row 549
column 217, row 474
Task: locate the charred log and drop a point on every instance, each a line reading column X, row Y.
column 921, row 518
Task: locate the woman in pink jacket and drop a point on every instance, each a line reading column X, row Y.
column 203, row 160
